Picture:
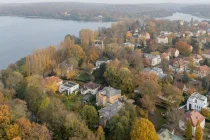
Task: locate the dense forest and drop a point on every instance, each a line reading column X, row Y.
column 197, row 10
column 86, row 11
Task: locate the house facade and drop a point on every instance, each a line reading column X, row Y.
column 162, row 39
column 107, row 95
column 172, row 52
column 153, row 59
column 194, row 116
column 206, row 53
column 197, row 101
column 69, row 88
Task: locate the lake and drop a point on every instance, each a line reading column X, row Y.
column 181, row 16
column 19, row 36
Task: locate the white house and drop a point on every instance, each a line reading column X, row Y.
column 153, row 59
column 202, row 71
column 197, row 101
column 157, row 71
column 162, row 39
column 99, row 44
column 194, row 116
column 91, row 88
column 69, row 88
column 165, row 33
column 98, row 63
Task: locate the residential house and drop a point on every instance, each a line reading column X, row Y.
column 194, row 116
column 52, row 82
column 157, row 71
column 195, row 58
column 69, row 88
column 107, row 95
column 91, row 88
column 129, row 45
column 153, row 59
column 197, row 101
column 201, row 31
column 202, row 71
column 184, row 88
column 164, row 33
column 165, row 134
column 162, row 39
column 206, row 54
column 165, row 56
column 189, row 33
column 99, row 63
column 172, row 52
column 99, row 44
column 106, row 113
column 178, row 66
column 145, row 36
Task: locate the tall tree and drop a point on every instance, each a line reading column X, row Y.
column 90, row 116
column 184, row 48
column 143, row 129
column 100, row 133
column 188, row 130
column 198, row 131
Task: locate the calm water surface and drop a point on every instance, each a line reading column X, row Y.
column 20, row 36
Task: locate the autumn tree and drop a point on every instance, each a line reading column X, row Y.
column 184, row 48
column 185, row 78
column 120, row 124
column 13, row 131
column 205, row 112
column 90, row 116
column 143, row 129
column 128, row 35
column 87, row 36
column 77, row 52
column 93, row 54
column 198, row 131
column 173, row 94
column 188, row 130
column 205, row 83
column 100, row 133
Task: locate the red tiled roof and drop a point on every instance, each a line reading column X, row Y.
column 92, row 85
column 194, row 116
column 164, row 55
column 50, row 80
column 203, row 68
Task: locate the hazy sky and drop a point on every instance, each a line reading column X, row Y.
column 110, row 1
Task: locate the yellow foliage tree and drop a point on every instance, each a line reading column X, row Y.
column 143, row 129
column 198, row 132
column 4, row 115
column 12, row 131
column 128, row 35
column 72, row 74
column 100, row 133
column 53, row 86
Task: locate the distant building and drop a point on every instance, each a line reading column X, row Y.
column 107, row 95
column 162, row 39
column 172, row 52
column 91, row 88
column 206, row 53
column 165, row 134
column 157, row 71
column 99, row 63
column 178, row 66
column 153, row 59
column 197, row 101
column 164, row 33
column 129, row 45
column 108, row 112
column 165, row 56
column 69, row 88
column 99, row 44
column 202, row 71
column 145, row 36
column 194, row 116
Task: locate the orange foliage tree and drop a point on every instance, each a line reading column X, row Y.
column 184, row 48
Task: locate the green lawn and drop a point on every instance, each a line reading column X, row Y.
column 157, row 119
column 72, row 102
column 84, row 77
